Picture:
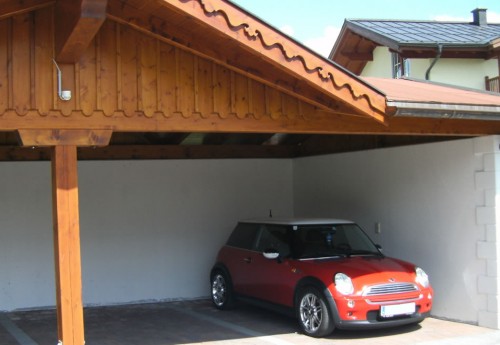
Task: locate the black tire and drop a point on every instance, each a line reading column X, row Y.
column 221, row 290
column 314, row 316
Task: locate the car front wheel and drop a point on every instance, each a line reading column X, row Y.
column 222, row 292
column 313, row 313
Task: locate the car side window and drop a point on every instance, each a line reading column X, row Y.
column 244, row 236
column 274, row 237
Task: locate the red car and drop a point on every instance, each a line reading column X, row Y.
column 326, row 272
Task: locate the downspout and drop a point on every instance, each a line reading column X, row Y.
column 438, row 56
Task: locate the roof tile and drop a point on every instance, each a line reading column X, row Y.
column 430, row 32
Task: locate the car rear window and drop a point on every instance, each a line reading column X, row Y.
column 243, row 236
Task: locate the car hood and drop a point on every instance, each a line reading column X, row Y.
column 365, row 269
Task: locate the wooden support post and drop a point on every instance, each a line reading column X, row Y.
column 67, row 245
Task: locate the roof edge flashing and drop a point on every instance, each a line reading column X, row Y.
column 445, row 111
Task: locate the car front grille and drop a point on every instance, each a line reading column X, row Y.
column 386, row 289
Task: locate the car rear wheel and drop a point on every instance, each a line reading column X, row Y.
column 313, row 313
column 222, row 291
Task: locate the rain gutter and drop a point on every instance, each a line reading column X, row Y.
column 445, row 111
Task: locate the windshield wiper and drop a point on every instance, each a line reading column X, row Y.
column 317, row 256
column 364, row 252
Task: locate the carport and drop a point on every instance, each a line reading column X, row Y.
column 164, row 79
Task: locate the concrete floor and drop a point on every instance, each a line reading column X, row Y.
column 197, row 322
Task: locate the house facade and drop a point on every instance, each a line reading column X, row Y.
column 456, row 53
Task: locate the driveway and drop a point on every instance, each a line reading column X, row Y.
column 194, row 322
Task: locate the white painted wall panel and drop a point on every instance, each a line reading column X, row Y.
column 425, row 199
column 150, row 230
column 26, row 242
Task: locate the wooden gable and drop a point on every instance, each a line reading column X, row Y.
column 179, row 67
column 130, row 80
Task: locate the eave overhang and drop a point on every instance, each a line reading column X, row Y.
column 352, row 34
column 423, row 99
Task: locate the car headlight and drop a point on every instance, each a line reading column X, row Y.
column 343, row 284
column 422, row 277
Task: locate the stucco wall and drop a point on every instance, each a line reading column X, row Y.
column 461, row 72
column 381, row 66
column 150, row 230
column 426, row 201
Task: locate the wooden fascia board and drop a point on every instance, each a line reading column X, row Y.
column 343, row 58
column 316, row 123
column 372, row 36
column 286, row 54
column 10, row 8
column 336, row 49
column 77, row 22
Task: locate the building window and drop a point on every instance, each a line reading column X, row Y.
column 400, row 66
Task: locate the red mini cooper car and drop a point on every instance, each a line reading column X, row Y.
column 326, row 272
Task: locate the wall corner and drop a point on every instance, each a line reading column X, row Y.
column 487, row 186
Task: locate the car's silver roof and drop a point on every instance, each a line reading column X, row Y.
column 297, row 221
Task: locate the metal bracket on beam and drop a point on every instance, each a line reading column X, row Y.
column 64, row 95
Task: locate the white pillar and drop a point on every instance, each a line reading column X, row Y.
column 487, row 184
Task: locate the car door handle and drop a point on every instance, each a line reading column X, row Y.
column 248, row 260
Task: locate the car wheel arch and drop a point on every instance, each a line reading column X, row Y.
column 318, row 284
column 225, row 271
column 220, row 267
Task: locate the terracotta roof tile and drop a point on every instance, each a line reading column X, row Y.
column 405, row 90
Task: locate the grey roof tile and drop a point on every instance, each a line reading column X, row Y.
column 431, row 32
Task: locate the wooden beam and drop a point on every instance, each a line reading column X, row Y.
column 315, row 122
column 136, row 152
column 77, row 22
column 10, row 8
column 67, row 246
column 64, row 137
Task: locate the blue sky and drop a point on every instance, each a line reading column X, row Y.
column 316, row 23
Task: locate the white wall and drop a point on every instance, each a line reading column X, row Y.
column 150, row 230
column 425, row 199
column 461, row 72
column 381, row 66
column 26, row 244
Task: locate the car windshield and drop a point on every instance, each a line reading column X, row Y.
column 336, row 240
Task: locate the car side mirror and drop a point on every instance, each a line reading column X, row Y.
column 379, row 247
column 271, row 254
